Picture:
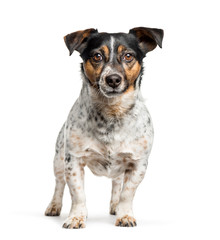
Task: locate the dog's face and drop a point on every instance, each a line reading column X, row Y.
column 113, row 62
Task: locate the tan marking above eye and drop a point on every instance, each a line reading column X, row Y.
column 121, row 48
column 105, row 51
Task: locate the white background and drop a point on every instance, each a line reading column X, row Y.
column 179, row 197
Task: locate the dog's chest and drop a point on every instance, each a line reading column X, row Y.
column 109, row 146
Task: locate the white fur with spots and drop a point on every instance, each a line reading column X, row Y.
column 112, row 141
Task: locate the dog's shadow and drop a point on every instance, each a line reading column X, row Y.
column 92, row 220
column 108, row 220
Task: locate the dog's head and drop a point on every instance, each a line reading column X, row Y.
column 112, row 63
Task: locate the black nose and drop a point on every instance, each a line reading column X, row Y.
column 113, row 80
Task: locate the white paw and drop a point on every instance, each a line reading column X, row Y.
column 113, row 207
column 75, row 222
column 53, row 209
column 126, row 221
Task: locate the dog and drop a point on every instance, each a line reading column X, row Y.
column 108, row 129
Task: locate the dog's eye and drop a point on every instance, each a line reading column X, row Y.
column 97, row 57
column 128, row 57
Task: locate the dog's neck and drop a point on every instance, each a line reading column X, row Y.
column 114, row 107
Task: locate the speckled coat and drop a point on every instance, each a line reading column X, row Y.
column 112, row 136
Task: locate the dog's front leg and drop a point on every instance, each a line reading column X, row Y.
column 132, row 179
column 74, row 172
column 116, row 191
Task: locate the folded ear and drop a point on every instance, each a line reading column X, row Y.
column 148, row 38
column 77, row 40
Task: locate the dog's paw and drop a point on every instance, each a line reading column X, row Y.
column 53, row 210
column 126, row 221
column 113, row 207
column 75, row 222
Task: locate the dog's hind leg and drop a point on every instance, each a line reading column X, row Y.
column 55, row 205
column 116, row 191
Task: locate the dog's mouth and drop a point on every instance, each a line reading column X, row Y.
column 113, row 94
column 107, row 92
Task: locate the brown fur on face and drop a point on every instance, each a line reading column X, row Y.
column 121, row 48
column 105, row 51
column 132, row 69
column 93, row 69
column 128, row 70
